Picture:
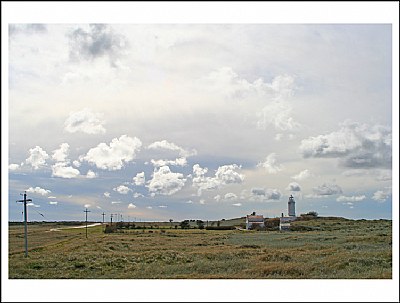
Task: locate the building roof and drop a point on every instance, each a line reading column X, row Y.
column 256, row 218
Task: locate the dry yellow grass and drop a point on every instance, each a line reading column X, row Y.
column 336, row 249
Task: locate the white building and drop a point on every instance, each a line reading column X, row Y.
column 291, row 207
column 254, row 220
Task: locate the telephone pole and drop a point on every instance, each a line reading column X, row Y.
column 103, row 214
column 25, row 222
column 111, row 216
column 86, row 211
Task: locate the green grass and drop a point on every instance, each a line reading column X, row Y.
column 336, row 248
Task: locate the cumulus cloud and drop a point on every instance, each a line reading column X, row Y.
column 381, row 195
column 278, row 115
column 122, row 189
column 61, row 154
column 351, row 198
column 261, row 194
column 113, row 157
column 38, row 190
column 53, row 202
column 176, row 162
column 217, row 198
column 164, row 144
column 131, row 205
column 237, row 204
column 91, row 174
column 37, row 157
column 293, row 186
column 227, row 81
column 98, row 41
column 61, row 170
column 224, row 175
column 165, row 182
column 116, row 202
column 85, row 121
column 327, row 190
column 271, row 164
column 107, row 194
column 230, row 196
column 76, row 163
column 87, row 205
column 139, row 180
column 137, row 195
column 13, row 167
column 356, row 145
column 302, row 175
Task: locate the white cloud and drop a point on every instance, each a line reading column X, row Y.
column 271, row 164
column 294, row 186
column 32, row 204
column 162, row 206
column 131, row 205
column 224, row 175
column 139, row 180
column 164, row 144
column 302, row 175
column 13, row 167
column 113, row 157
column 38, row 190
column 122, row 189
column 51, row 197
column 351, row 198
column 230, row 196
column 149, row 207
column 37, row 157
column 189, row 202
column 76, row 163
column 176, row 162
column 87, row 205
column 61, row 154
column 356, row 145
column 137, row 195
column 279, row 115
column 381, row 195
column 202, row 201
column 116, row 202
column 53, row 202
column 107, row 194
column 165, row 182
column 61, row 170
column 217, row 198
column 85, row 121
column 327, row 190
column 237, row 204
column 91, row 175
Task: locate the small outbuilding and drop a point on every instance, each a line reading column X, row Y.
column 254, row 221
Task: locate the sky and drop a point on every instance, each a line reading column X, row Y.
column 161, row 111
column 199, row 121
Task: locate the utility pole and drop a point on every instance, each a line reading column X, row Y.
column 25, row 222
column 103, row 214
column 86, row 211
column 111, row 218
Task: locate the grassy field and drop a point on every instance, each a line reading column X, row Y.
column 323, row 248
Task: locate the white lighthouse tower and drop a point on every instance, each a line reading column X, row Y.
column 291, row 207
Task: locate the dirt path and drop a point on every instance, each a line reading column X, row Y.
column 69, row 227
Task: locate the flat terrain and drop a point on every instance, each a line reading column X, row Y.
column 323, row 248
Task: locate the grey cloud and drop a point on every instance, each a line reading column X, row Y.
column 356, row 145
column 327, row 190
column 258, row 191
column 99, row 41
column 26, row 28
column 293, row 186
